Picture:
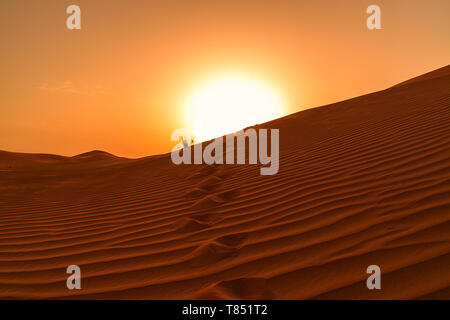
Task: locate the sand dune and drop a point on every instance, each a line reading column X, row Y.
column 364, row 181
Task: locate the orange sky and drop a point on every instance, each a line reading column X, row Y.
column 120, row 82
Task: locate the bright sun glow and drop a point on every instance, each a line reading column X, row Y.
column 229, row 104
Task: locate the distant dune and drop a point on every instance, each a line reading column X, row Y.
column 95, row 155
column 363, row 181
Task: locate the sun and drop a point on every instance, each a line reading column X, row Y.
column 228, row 104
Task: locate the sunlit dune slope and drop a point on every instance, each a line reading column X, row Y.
column 361, row 182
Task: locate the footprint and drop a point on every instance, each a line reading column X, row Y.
column 204, row 171
column 187, row 225
column 237, row 289
column 210, row 201
column 224, row 173
column 209, row 218
column 210, row 183
column 209, row 253
column 195, row 193
column 227, row 195
column 233, row 240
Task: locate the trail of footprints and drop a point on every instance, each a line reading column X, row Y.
column 207, row 195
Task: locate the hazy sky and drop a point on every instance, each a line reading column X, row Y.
column 119, row 83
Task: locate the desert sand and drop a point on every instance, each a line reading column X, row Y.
column 363, row 181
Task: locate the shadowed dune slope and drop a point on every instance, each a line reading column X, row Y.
column 364, row 181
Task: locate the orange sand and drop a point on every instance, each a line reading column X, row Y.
column 363, row 181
